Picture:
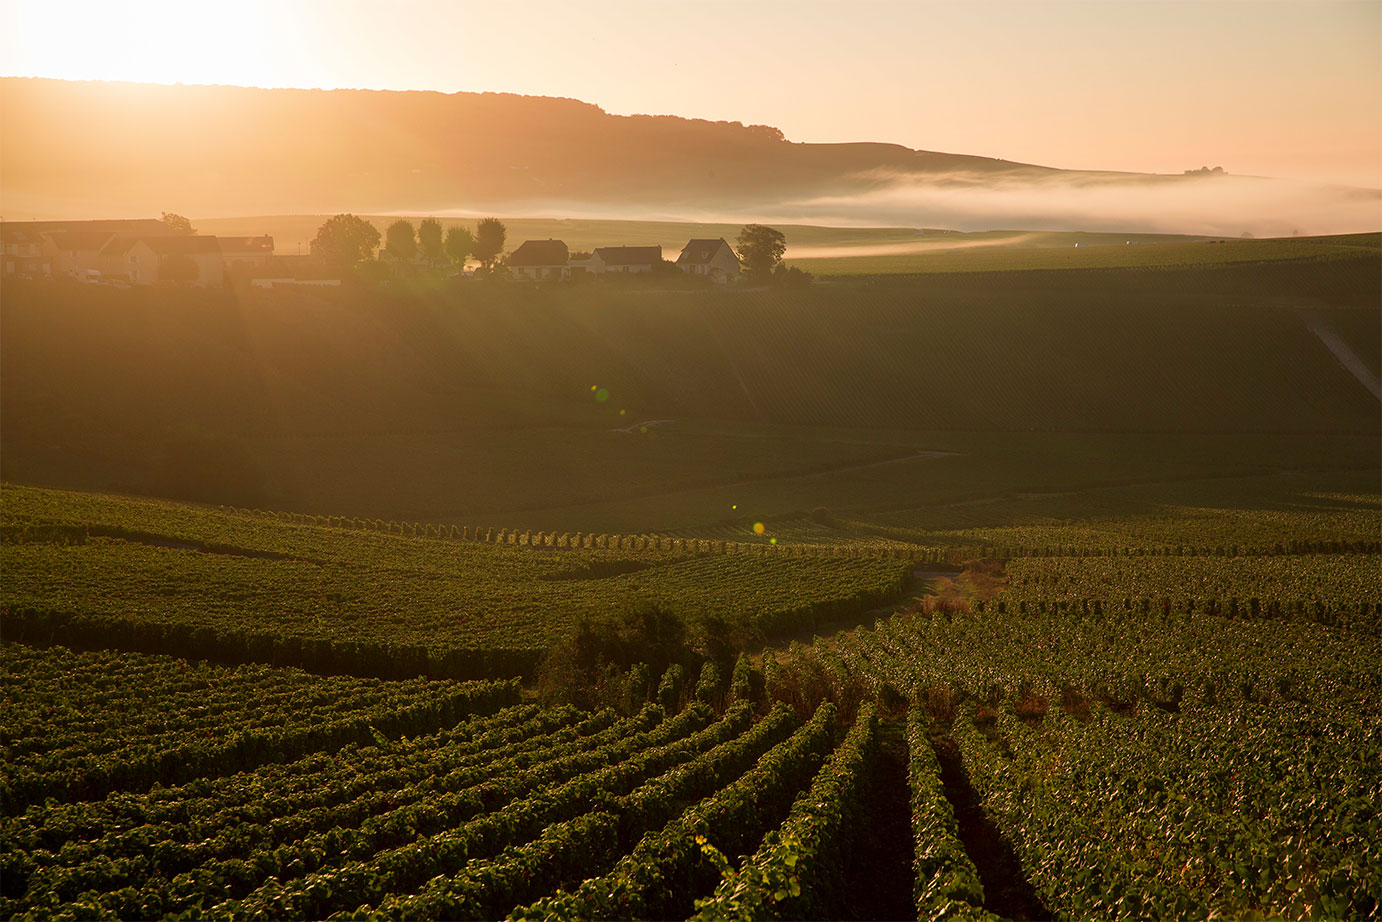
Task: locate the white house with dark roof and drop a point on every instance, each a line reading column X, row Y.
column 712, row 259
column 540, row 260
column 625, row 259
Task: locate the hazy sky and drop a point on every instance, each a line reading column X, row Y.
column 1288, row 89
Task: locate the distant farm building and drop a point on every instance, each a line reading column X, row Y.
column 626, row 259
column 541, row 260
column 712, row 259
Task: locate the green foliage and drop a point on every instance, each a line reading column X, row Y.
column 785, row 276
column 665, row 870
column 489, row 241
column 403, row 600
column 400, row 240
column 797, row 871
column 460, row 243
column 944, row 874
column 1109, row 741
column 77, row 728
column 344, row 240
column 746, row 682
column 709, row 689
column 760, row 249
column 669, row 687
column 178, row 223
column 429, row 240
column 607, row 656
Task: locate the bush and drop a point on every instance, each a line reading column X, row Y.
column 596, row 665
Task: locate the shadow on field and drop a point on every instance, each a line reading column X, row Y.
column 1007, row 892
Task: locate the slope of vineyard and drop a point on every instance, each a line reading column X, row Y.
column 78, row 725
column 1141, row 765
column 166, row 578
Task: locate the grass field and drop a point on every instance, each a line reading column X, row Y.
column 854, row 397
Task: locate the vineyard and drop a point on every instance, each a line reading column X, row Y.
column 1131, row 778
column 162, row 578
column 231, row 713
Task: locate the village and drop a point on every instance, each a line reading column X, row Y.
column 167, row 251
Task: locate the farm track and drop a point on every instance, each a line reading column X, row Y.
column 1342, row 351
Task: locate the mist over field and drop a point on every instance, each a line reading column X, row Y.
column 1210, row 205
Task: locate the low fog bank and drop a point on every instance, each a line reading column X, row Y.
column 1210, row 205
column 1214, row 205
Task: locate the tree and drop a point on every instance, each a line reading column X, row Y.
column 489, row 241
column 178, row 223
column 760, row 249
column 345, row 240
column 178, row 267
column 429, row 240
column 460, row 243
column 400, row 241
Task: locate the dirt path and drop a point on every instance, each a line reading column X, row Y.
column 1342, row 351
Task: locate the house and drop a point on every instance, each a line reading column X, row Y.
column 30, row 249
column 540, row 260
column 23, row 251
column 145, row 260
column 713, row 259
column 246, row 251
column 76, row 254
column 625, row 259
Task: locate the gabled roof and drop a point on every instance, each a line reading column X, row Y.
column 193, row 245
column 630, row 256
column 20, row 230
column 540, row 253
column 247, row 246
column 81, row 240
column 699, row 251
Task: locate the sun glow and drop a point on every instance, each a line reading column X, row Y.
column 169, row 41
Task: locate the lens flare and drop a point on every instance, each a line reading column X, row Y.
column 759, row 528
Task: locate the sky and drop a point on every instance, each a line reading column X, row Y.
column 1290, row 89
